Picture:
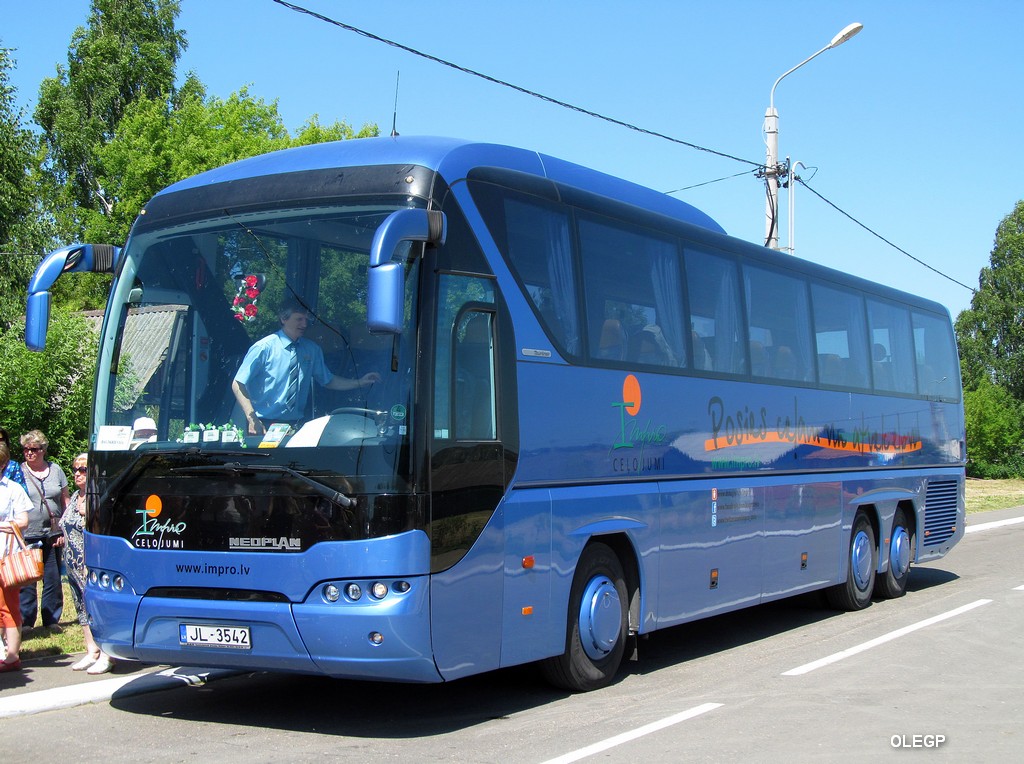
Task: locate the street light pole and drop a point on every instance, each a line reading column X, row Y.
column 772, row 168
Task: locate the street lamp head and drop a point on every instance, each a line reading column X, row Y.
column 845, row 34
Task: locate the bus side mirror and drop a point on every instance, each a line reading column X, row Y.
column 80, row 258
column 386, row 278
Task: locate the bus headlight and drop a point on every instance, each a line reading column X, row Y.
column 353, row 592
column 379, row 590
column 331, row 593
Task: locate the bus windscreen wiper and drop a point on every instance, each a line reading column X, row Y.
column 144, row 456
column 236, row 467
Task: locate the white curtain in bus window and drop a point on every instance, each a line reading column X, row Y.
column 633, row 286
column 935, row 356
column 892, row 348
column 840, row 337
column 712, row 286
column 541, row 252
column 778, row 322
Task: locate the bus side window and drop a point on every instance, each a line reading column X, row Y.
column 713, row 295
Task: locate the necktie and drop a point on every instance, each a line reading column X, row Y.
column 293, row 378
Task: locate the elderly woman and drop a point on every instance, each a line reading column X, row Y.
column 47, row 487
column 14, row 509
column 95, row 661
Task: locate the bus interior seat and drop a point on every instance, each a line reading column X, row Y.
column 882, row 367
column 648, row 346
column 759, row 363
column 785, row 363
column 831, row 369
column 701, row 355
column 612, row 346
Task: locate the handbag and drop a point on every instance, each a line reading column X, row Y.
column 22, row 564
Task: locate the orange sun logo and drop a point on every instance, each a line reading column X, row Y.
column 631, row 395
column 154, row 506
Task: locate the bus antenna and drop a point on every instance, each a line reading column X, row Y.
column 394, row 117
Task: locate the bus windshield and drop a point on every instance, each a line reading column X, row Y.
column 201, row 305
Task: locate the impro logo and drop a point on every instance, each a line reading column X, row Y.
column 153, row 533
column 634, row 433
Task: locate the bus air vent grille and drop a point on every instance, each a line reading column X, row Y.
column 940, row 506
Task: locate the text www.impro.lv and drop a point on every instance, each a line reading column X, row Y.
column 214, row 570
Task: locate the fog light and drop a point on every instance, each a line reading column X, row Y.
column 353, row 592
column 118, row 583
column 376, row 638
column 400, row 587
column 379, row 590
column 105, row 580
column 331, row 593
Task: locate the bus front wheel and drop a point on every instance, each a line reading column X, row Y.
column 855, row 593
column 597, row 625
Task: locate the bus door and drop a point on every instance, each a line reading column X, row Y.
column 467, row 479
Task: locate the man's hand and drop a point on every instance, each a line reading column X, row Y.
column 255, row 425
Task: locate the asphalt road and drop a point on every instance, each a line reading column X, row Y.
column 936, row 673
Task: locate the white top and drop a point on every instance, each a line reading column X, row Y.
column 13, row 502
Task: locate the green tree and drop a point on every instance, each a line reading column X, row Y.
column 161, row 141
column 990, row 333
column 22, row 232
column 995, row 431
column 51, row 390
column 128, row 51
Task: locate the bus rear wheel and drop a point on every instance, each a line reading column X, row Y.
column 893, row 583
column 597, row 625
column 855, row 593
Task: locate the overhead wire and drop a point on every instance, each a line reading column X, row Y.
column 503, row 83
column 709, row 182
column 879, row 236
column 758, row 166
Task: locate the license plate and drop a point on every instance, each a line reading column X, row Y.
column 207, row 635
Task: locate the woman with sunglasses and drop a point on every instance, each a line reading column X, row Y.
column 95, row 661
column 48, row 491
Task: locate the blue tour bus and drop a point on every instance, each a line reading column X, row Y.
column 598, row 416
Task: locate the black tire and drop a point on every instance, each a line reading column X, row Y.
column 598, row 623
column 855, row 593
column 893, row 583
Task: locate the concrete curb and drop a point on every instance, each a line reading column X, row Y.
column 108, row 689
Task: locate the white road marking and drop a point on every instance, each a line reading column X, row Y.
column 993, row 524
column 808, row 667
column 625, row 737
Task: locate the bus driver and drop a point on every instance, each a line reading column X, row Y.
column 276, row 375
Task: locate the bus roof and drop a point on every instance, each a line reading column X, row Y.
column 453, row 159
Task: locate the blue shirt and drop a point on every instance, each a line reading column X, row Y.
column 264, row 372
column 13, row 472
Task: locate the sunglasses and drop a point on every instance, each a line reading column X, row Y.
column 32, row 449
column 80, row 470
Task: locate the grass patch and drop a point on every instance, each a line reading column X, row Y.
column 40, row 642
column 986, row 495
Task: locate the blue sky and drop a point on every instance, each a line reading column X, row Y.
column 913, row 125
